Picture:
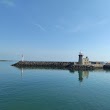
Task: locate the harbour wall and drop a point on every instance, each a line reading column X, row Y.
column 58, row 65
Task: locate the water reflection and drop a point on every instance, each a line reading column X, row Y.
column 22, row 71
column 82, row 75
column 62, row 87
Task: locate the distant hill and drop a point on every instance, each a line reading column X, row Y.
column 5, row 60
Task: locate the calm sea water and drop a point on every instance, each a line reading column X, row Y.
column 44, row 89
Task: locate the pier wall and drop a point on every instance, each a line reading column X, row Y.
column 59, row 65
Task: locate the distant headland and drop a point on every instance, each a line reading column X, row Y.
column 5, row 60
column 82, row 64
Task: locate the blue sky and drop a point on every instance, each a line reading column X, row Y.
column 55, row 29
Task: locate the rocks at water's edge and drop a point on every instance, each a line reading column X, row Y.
column 107, row 66
column 59, row 65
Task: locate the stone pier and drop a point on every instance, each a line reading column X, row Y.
column 57, row 65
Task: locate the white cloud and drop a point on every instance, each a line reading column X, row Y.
column 8, row 2
column 87, row 25
column 40, row 27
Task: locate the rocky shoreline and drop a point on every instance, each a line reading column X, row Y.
column 55, row 65
column 107, row 66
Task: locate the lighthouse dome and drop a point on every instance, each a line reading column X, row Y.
column 80, row 53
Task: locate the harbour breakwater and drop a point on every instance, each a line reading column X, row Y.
column 54, row 65
column 106, row 67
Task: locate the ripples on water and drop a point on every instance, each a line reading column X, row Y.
column 46, row 89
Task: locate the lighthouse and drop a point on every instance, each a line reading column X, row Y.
column 80, row 58
column 22, row 57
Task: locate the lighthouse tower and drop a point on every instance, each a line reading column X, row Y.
column 80, row 58
column 22, row 57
